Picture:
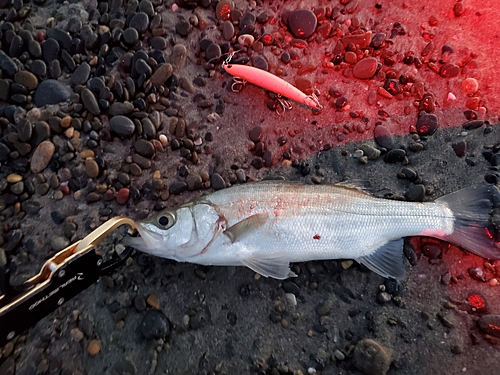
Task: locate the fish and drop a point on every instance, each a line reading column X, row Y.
column 267, row 225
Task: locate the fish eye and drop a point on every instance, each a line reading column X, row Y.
column 166, row 220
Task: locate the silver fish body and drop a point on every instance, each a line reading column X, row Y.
column 267, row 225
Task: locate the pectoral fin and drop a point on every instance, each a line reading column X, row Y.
column 239, row 230
column 271, row 265
column 387, row 260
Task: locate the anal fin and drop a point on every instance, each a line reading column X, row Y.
column 387, row 260
column 272, row 265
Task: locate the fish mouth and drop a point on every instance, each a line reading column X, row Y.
column 147, row 241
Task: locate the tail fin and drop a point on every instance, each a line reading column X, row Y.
column 473, row 228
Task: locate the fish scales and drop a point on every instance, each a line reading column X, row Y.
column 327, row 221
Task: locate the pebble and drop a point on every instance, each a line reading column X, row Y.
column 153, row 301
column 324, row 307
column 247, row 23
column 154, row 325
column 7, row 64
column 90, row 102
column 365, row 68
column 449, row 70
column 50, row 50
column 223, row 9
column 183, row 28
column 255, row 134
column 144, row 148
column 470, row 85
column 119, row 108
column 371, row 357
column 427, row 124
column 130, row 36
column 41, row 157
column 27, row 79
column 161, row 74
column 302, row 23
column 91, row 168
column 178, row 58
column 94, row 347
column 24, row 130
column 363, row 40
column 370, row 152
column 177, row 187
column 416, row 193
column 59, row 243
column 472, row 124
column 122, row 196
column 122, row 126
column 140, row 22
column 395, row 155
column 217, row 182
column 490, row 324
column 460, row 148
column 81, row 74
column 194, row 181
column 227, row 30
column 213, row 52
column 50, row 91
column 383, row 137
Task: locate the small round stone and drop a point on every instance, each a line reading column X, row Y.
column 427, row 124
column 90, row 102
column 91, row 168
column 255, row 134
column 27, row 79
column 122, row 196
column 365, row 68
column 144, row 148
column 140, row 22
column 470, row 85
column 94, row 347
column 50, row 91
column 217, row 181
column 81, row 74
column 130, row 35
column 41, row 157
column 154, row 325
column 383, row 137
column 371, row 357
column 302, row 23
column 449, row 70
column 122, row 126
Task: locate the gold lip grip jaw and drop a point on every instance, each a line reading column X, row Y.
column 62, row 277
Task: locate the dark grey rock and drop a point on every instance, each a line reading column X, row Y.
column 183, row 28
column 4, row 89
column 302, row 23
column 247, row 23
column 50, row 50
column 16, row 46
column 144, row 148
column 383, row 137
column 130, row 36
column 81, row 74
column 118, row 108
column 217, row 181
column 24, row 130
column 122, row 126
column 38, row 68
column 154, row 325
column 140, row 22
column 177, row 187
column 213, row 52
column 60, row 36
column 7, row 64
column 147, row 7
column 50, row 92
column 55, row 69
column 90, row 102
column 427, row 124
column 35, row 49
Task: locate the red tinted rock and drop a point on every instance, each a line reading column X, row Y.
column 366, row 68
column 362, row 40
column 302, row 23
column 122, row 196
column 449, row 70
column 427, row 124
